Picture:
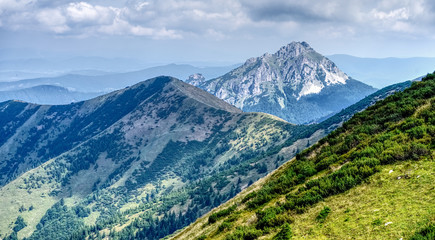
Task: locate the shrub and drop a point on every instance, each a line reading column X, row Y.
column 272, row 217
column 261, row 198
column 224, row 226
column 417, row 132
column 244, row 233
column 202, row 237
column 323, row 214
column 326, row 162
column 427, row 233
column 220, row 214
column 19, row 224
column 249, row 196
column 377, row 222
column 285, row 233
column 418, row 149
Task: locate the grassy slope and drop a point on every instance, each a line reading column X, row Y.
column 14, row 196
column 407, row 203
column 255, row 131
column 353, row 213
column 363, row 211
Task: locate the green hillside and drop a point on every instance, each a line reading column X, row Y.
column 152, row 157
column 372, row 178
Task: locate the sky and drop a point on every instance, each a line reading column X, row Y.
column 214, row 31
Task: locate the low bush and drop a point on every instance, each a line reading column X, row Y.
column 323, row 214
column 220, row 214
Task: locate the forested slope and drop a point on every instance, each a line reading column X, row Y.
column 372, row 178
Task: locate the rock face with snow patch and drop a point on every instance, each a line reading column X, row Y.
column 195, row 79
column 296, row 83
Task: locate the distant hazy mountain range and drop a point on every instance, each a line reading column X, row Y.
column 84, row 84
column 46, row 94
column 296, row 84
column 381, row 72
column 91, row 81
column 71, row 64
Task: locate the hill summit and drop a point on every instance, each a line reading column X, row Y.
column 153, row 156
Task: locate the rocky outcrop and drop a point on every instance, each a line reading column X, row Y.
column 195, row 79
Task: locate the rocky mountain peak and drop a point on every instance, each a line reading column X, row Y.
column 293, row 49
column 295, row 76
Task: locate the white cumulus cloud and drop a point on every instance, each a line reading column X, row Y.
column 218, row 19
column 53, row 19
column 85, row 12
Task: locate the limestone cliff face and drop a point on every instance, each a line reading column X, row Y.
column 296, row 83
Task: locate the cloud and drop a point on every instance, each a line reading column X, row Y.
column 14, row 5
column 189, row 17
column 306, row 11
column 397, row 14
column 218, row 19
column 83, row 12
column 122, row 27
column 374, row 17
column 53, row 19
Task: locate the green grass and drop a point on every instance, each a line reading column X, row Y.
column 407, row 202
column 14, row 196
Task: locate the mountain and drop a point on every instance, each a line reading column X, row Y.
column 140, row 228
column 46, row 94
column 130, row 158
column 54, row 64
column 380, row 72
column 372, row 178
column 296, row 84
column 91, row 154
column 6, row 76
column 95, row 81
column 195, row 79
column 50, row 65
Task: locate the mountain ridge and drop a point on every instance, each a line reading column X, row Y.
column 157, row 141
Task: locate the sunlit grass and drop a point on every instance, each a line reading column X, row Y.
column 365, row 211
